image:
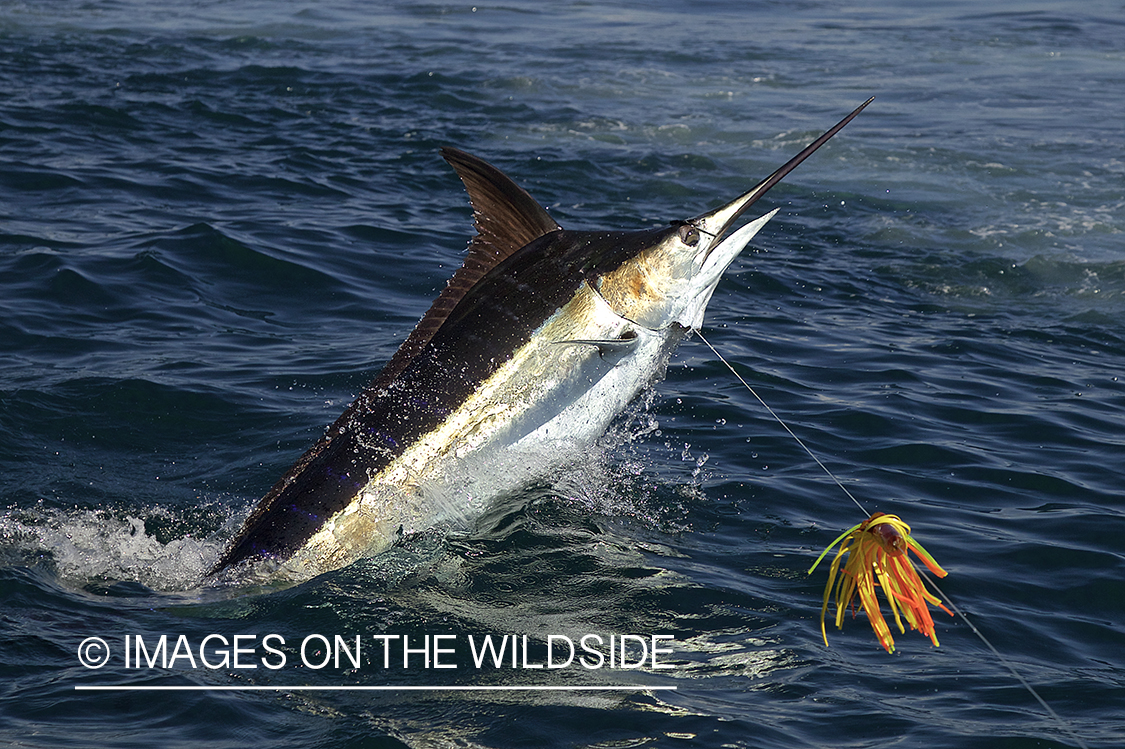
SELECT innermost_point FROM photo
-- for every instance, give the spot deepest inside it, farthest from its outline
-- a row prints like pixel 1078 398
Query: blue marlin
pixel 538 342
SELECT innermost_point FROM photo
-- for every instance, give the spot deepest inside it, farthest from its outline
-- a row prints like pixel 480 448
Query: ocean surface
pixel 219 220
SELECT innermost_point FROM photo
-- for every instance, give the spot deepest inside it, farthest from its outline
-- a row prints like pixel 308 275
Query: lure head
pixel 888 532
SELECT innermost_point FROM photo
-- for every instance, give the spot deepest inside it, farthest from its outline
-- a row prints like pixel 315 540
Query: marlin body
pixel 538 342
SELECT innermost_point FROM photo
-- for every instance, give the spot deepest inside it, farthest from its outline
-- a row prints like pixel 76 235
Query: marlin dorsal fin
pixel 506 217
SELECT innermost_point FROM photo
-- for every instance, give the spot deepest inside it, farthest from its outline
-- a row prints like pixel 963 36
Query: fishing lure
pixel 877 556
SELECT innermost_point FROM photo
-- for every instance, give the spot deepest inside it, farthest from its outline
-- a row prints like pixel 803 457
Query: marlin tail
pixel 538 342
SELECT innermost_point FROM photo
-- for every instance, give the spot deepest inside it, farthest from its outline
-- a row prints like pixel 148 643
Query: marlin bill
pixel 536 344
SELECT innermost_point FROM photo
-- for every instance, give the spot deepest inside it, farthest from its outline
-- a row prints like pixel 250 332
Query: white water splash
pixel 86 546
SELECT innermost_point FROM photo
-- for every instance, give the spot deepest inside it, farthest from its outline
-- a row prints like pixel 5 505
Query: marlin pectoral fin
pixel 612 349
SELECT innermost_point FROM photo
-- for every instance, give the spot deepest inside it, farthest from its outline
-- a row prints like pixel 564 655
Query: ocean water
pixel 218 221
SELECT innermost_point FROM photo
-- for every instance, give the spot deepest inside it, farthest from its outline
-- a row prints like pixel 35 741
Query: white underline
pixel 306 688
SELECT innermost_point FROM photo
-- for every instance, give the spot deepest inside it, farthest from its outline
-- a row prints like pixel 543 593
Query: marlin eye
pixel 689 235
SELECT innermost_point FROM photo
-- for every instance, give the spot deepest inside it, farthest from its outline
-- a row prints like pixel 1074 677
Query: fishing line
pixel 1007 664
pixel 783 424
pixel 1005 661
